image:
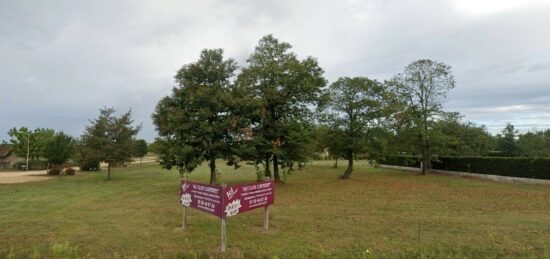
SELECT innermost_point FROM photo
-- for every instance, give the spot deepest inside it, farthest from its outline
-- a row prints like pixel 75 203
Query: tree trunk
pixel 109 171
pixel 266 165
pixel 348 171
pixel 335 163
pixel 212 170
pixel 276 169
pixel 140 160
pixel 425 162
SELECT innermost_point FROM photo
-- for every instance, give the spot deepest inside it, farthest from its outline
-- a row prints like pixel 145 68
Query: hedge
pixel 525 167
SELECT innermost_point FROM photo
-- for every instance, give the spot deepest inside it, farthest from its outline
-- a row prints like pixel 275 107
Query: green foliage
pixel 534 144
pixel 197 122
pixel 140 148
pixel 462 138
pixel 108 139
pixel 422 87
pixel 59 148
pixel 35 141
pixel 154 147
pixel 355 109
pixel 538 168
pixel 507 143
pixel 409 161
pixel 86 164
pixel 278 90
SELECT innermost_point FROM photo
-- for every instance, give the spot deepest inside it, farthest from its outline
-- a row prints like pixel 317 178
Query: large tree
pixel 197 121
pixel 356 108
pixel 282 89
pixel 59 149
pixel 109 139
pixel 423 87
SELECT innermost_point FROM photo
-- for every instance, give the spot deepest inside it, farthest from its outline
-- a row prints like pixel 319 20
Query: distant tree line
pixel 109 139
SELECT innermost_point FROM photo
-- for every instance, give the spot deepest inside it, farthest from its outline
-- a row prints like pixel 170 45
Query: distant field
pixel 377 213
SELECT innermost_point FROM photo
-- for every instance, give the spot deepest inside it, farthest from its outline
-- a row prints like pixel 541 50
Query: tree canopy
pixel 356 107
pixel 282 90
pixel 422 88
pixel 35 141
pixel 197 121
pixel 59 149
pixel 140 148
pixel 109 139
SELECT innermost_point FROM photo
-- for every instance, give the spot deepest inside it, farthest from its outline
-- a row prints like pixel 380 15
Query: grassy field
pixel 377 213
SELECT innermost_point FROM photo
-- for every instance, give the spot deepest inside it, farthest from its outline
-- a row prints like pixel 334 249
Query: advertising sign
pixel 245 197
pixel 203 197
pixel 228 201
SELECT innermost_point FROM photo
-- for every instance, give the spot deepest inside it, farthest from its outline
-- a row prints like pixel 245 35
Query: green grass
pixel 377 213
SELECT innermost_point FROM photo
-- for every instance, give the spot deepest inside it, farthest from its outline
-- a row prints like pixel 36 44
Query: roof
pixel 5 150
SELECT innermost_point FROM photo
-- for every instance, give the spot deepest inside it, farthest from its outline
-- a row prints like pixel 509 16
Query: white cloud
pixel 483 7
pixel 63 60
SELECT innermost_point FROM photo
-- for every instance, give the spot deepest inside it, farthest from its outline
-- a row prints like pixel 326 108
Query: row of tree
pixel 108 139
pixel 267 112
pixel 55 147
pixel 278 110
pixel 535 143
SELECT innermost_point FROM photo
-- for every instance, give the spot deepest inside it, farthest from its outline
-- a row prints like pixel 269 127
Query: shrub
pixel 54 171
pixel 526 167
pixel 70 171
pixel 89 165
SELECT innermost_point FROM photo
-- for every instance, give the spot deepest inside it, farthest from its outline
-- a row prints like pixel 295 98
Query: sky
pixel 61 61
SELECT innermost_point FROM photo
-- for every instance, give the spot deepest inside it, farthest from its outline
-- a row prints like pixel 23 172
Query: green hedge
pixel 410 161
pixel 525 167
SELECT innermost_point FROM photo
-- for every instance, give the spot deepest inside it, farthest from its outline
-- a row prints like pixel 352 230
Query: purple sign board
pixel 228 201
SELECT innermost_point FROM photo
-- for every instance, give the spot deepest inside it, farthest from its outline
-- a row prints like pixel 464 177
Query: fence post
pixel 266 217
pixel 184 220
pixel 223 246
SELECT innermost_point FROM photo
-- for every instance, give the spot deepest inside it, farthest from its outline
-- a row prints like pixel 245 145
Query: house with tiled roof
pixel 8 157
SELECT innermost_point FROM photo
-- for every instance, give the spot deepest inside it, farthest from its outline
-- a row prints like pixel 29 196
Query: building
pixel 8 157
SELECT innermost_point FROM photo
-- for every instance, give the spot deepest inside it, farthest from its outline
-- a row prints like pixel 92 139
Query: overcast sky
pixel 60 61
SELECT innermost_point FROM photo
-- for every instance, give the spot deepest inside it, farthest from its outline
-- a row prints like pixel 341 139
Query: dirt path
pixel 23 177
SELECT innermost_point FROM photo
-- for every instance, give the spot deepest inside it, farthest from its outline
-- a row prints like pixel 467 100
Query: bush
pixel 70 171
pixel 525 167
pixel 33 165
pixel 54 171
pixel 89 165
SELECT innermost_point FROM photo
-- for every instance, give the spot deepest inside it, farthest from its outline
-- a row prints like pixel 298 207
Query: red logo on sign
pixel 230 193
